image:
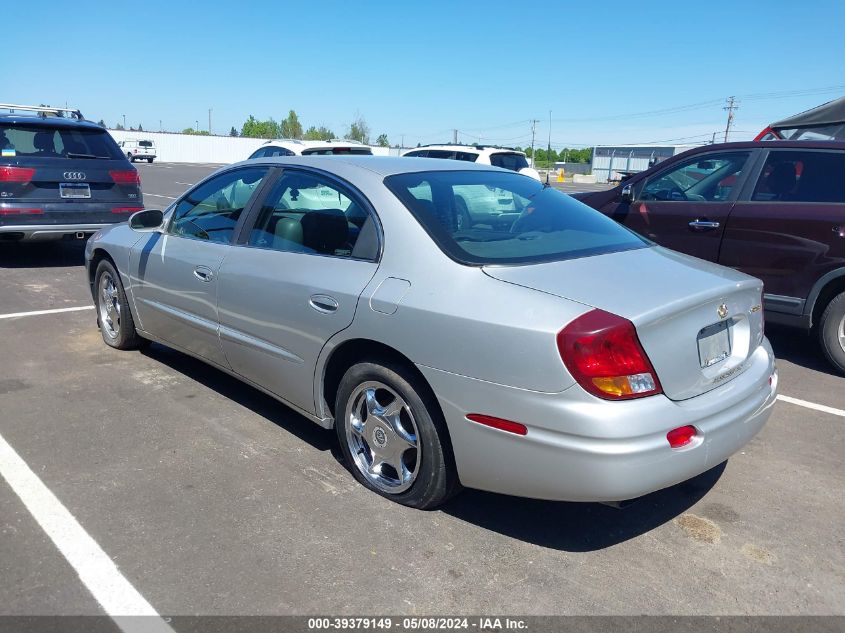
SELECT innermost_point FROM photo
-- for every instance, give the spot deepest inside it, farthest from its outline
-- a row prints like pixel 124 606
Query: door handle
pixel 203 274
pixel 323 303
pixel 703 225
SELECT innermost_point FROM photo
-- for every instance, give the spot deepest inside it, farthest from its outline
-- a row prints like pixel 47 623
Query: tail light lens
pixel 125 177
pixel 21 211
pixel 16 174
pixel 602 352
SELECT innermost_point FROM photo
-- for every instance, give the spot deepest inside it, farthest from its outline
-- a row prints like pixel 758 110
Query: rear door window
pixel 801 176
pixel 40 141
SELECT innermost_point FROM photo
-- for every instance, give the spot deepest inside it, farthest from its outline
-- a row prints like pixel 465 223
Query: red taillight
pixel 681 436
pixel 21 211
pixel 16 174
pixel 125 177
pixel 498 423
pixel 126 209
pixel 602 352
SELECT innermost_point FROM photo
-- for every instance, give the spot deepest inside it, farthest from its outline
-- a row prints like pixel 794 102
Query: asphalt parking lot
pixel 212 498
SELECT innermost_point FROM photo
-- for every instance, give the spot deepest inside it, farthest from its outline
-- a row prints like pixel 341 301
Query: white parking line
pixel 96 569
pixel 15 315
pixel 190 184
pixel 158 195
pixel 813 405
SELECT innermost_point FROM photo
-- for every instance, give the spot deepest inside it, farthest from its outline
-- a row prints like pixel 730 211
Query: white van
pixel 138 150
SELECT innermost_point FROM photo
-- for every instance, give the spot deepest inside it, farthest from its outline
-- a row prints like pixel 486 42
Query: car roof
pixel 774 144
pixel 381 165
pixel 285 142
pixel 48 122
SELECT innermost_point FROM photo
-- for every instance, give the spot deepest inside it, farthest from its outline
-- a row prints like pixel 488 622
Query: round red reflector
pixel 681 436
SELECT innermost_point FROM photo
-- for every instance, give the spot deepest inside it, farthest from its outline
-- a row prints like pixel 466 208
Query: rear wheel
pixel 113 315
pixel 150 161
pixel 393 436
pixel 832 332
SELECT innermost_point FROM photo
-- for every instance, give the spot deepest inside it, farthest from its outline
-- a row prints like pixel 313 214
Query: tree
pixel 101 123
pixel 359 130
pixel 233 131
pixel 190 130
pixel 119 127
pixel 382 141
pixel 140 128
pixel 291 127
pixel 253 128
pixel 321 133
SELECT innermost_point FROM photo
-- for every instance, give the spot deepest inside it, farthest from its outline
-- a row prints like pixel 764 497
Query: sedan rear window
pixel 486 217
pixel 39 141
pixel 509 160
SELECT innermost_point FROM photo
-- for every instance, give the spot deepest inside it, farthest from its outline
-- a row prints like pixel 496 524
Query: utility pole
pixel 209 120
pixel 732 105
pixel 534 123
pixel 197 128
pixel 713 139
pixel 402 146
pixel 124 121
pixel 549 155
pixel 160 128
pixel 455 137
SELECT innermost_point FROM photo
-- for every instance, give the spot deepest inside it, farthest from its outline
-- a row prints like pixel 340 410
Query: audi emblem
pixel 74 175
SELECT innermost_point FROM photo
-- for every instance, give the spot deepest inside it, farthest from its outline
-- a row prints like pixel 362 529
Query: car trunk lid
pixel 697 322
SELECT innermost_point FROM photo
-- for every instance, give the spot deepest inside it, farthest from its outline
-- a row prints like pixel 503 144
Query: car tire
pixel 150 161
pixel 114 317
pixel 385 414
pixel 832 332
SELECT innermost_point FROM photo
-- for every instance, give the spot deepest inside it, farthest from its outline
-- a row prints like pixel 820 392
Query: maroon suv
pixel 775 210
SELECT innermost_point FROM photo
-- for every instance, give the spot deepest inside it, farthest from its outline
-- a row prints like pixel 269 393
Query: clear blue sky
pixel 423 68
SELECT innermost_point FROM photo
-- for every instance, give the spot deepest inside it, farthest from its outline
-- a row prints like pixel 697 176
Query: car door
pixel 294 281
pixel 685 207
pixel 787 228
pixel 174 272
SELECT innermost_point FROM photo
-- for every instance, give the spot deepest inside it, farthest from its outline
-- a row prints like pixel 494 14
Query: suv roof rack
pixel 44 111
pixel 472 145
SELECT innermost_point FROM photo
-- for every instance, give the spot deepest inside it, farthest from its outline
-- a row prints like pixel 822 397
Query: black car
pixel 61 176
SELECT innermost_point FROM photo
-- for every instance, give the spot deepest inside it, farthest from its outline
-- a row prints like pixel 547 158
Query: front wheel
pixel 113 316
pixel 832 332
pixel 393 436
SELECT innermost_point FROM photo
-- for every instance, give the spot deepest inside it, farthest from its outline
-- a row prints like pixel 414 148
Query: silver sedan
pixel 458 325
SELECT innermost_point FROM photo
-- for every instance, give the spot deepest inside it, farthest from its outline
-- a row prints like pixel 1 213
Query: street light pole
pixel 124 121
pixel 209 120
pixel 549 154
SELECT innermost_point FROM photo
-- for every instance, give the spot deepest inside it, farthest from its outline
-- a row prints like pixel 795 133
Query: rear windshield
pixel 145 143
pixel 486 217
pixel 512 161
pixel 366 151
pixel 38 141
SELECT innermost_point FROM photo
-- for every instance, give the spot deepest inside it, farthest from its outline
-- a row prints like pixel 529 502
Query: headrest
pixel 782 178
pixel 325 231
pixel 43 141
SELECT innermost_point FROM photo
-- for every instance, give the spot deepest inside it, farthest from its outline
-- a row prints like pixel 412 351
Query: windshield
pixel 486 217
pixel 39 141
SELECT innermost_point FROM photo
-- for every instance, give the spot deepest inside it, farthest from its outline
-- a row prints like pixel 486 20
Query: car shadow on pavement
pixel 237 391
pixel 579 527
pixel 60 253
pixel 799 348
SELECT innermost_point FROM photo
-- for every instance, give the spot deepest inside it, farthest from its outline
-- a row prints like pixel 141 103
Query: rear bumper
pixel 46 232
pixel 581 448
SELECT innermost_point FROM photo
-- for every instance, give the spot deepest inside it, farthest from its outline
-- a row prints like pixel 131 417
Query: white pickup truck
pixel 138 150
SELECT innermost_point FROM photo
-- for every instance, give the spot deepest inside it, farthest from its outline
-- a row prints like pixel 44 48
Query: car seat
pixel 781 180
pixel 325 231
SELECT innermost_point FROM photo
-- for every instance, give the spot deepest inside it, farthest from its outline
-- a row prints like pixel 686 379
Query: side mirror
pixel 627 194
pixel 146 220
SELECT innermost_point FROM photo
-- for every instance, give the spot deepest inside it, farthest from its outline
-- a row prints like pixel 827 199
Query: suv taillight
pixel 602 352
pixel 125 177
pixel 16 174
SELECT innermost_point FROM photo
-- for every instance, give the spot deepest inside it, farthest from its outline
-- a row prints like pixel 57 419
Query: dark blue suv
pixel 61 176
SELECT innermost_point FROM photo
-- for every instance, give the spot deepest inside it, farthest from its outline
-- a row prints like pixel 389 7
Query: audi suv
pixel 61 177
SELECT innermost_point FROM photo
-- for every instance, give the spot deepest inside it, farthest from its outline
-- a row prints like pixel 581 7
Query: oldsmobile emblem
pixel 379 437
pixel 722 311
